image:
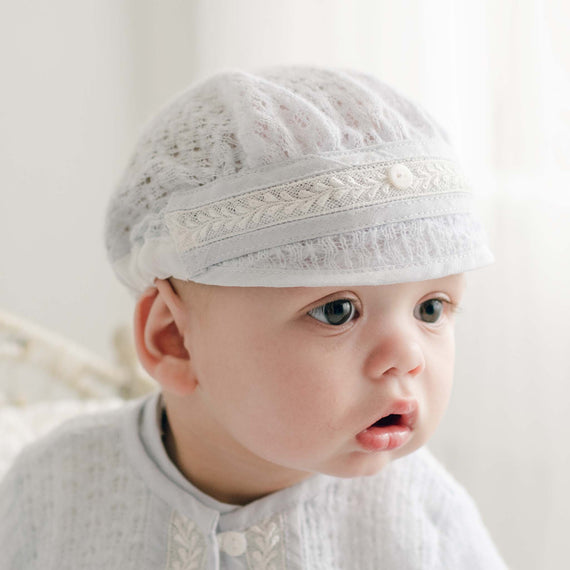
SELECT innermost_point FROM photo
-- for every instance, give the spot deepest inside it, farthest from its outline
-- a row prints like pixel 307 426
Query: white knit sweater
pixel 101 493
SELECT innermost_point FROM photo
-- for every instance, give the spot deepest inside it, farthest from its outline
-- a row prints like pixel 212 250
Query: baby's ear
pixel 159 339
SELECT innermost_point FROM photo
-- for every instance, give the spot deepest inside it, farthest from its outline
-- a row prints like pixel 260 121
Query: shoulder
pixel 463 539
pixel 426 466
pixel 417 515
pixel 432 491
pixel 64 483
pixel 429 481
pixel 414 487
pixel 419 476
pixel 86 449
pixel 81 452
pixel 78 436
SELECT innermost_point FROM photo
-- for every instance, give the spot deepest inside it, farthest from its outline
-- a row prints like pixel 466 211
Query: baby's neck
pixel 215 468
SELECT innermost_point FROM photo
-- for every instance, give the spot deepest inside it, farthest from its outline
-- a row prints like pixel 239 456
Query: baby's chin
pixel 367 464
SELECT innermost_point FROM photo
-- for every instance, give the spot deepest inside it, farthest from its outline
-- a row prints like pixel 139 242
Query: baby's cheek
pixel 291 418
pixel 438 392
pixel 291 399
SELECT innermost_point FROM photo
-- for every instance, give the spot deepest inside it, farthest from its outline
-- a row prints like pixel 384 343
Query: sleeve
pixel 16 528
pixel 27 508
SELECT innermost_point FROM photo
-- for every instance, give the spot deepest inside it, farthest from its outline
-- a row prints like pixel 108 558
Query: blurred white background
pixel 79 79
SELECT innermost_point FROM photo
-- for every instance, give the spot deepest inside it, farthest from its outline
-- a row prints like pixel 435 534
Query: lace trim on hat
pixel 339 191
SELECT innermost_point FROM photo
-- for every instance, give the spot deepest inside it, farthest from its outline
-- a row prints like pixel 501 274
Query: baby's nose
pixel 395 354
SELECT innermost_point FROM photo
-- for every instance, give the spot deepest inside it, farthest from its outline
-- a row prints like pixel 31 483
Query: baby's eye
pixel 334 313
pixel 430 311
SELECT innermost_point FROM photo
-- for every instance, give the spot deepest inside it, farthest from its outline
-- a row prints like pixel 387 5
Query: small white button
pixel 232 543
pixel 400 176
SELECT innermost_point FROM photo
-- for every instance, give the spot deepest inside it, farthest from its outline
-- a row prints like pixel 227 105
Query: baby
pixel 296 240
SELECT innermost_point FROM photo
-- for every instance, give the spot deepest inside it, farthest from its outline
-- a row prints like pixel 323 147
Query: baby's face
pixel 298 376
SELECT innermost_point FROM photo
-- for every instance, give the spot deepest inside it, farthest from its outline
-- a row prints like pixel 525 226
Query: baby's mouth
pixel 402 413
pixel 393 429
pixel 390 420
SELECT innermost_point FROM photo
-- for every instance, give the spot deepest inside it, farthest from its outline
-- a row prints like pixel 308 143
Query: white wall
pixel 66 122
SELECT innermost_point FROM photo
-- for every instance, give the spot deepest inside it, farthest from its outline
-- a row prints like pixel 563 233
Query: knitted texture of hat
pixel 287 177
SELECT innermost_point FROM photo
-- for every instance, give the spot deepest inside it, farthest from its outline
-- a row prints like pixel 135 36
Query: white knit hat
pixel 292 176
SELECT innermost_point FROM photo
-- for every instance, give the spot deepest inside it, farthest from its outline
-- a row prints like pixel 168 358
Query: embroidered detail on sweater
pixel 356 187
pixel 186 545
pixel 266 549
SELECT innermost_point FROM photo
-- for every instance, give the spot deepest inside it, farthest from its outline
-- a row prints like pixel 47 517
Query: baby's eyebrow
pixel 332 292
pixel 305 302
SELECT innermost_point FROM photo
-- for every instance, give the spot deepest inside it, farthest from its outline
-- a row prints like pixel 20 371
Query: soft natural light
pixel 80 79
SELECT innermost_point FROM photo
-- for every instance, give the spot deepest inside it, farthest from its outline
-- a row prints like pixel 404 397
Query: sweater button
pixel 400 176
pixel 232 543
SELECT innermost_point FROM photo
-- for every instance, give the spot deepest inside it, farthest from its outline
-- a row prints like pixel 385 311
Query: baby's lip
pixel 404 413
